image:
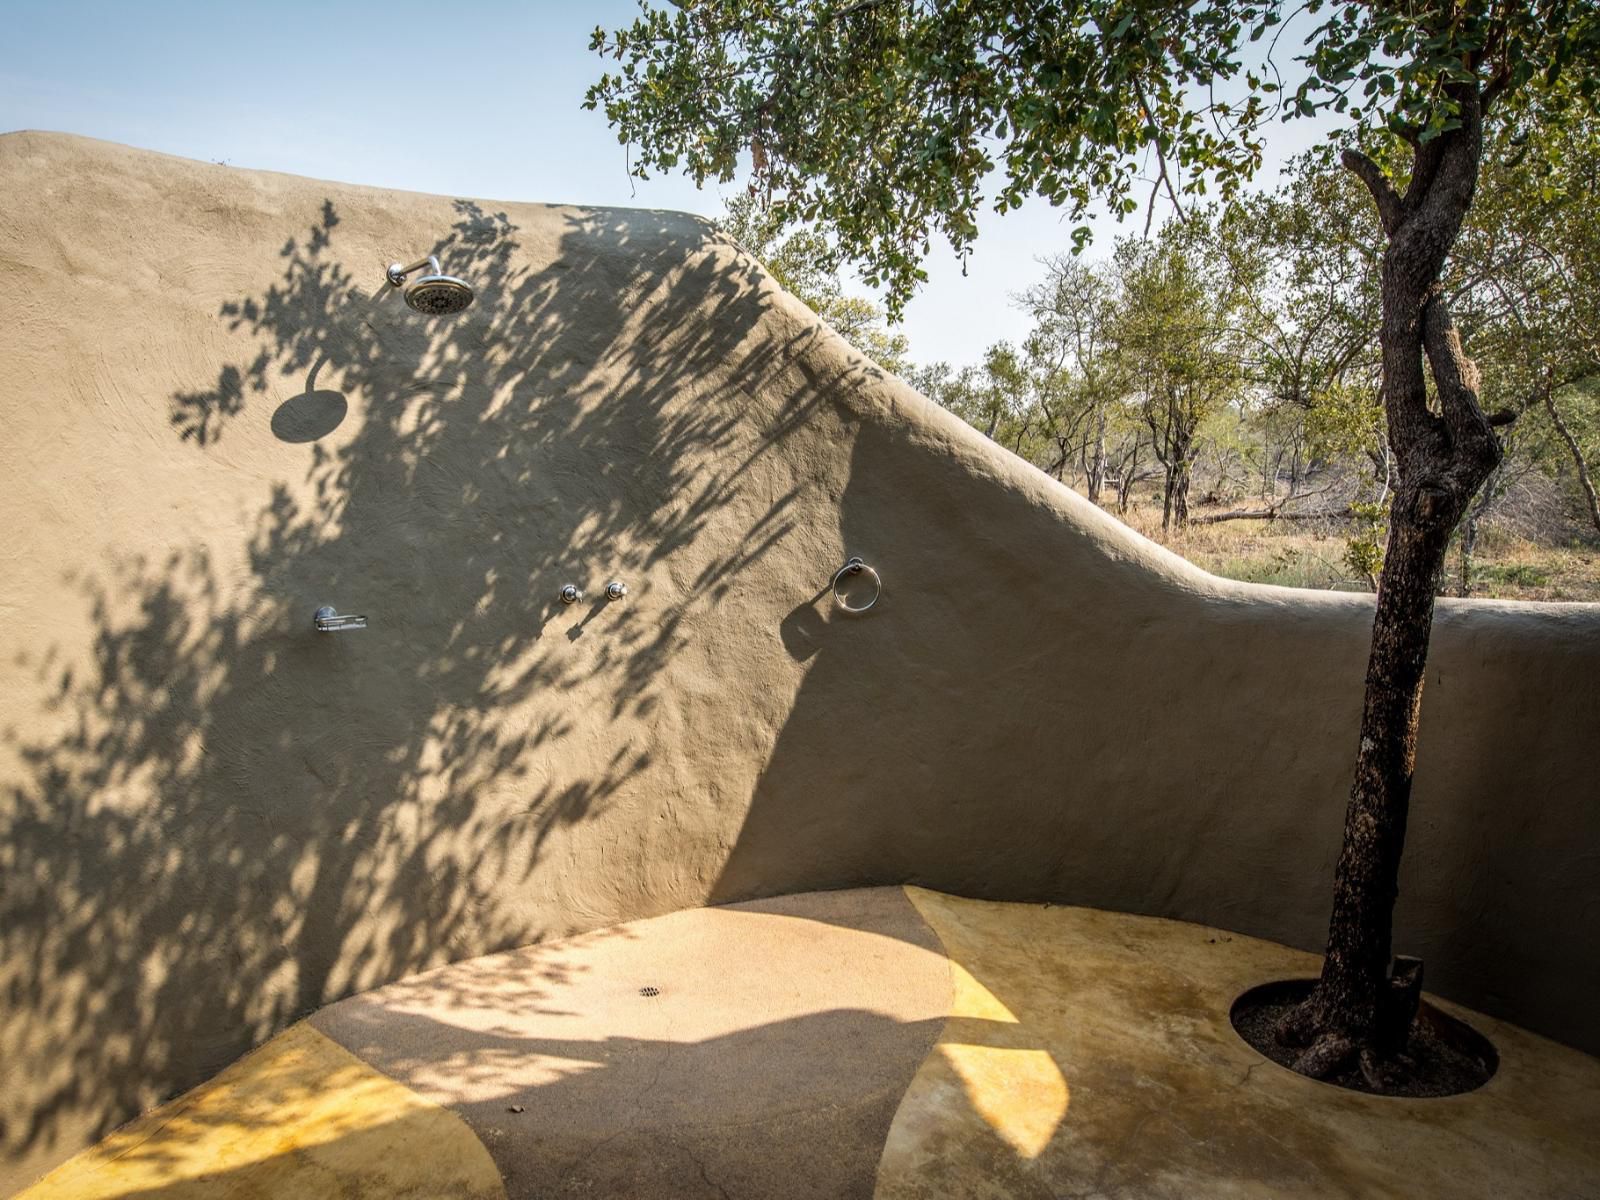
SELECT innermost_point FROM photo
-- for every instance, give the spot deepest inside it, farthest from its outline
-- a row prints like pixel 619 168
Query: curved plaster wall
pixel 212 820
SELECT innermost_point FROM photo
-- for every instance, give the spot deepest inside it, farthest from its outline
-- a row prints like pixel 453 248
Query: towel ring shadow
pixel 856 567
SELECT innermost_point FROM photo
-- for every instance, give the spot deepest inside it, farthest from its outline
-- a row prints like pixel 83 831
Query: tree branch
pixel 1496 86
pixel 1426 158
pixel 1161 158
pixel 1456 377
pixel 1384 195
pixel 1275 512
pixel 1577 455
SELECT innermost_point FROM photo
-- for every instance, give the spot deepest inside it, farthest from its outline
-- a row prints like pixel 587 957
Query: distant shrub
pixel 1516 574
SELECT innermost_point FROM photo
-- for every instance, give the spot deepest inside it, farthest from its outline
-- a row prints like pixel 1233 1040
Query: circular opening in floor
pixel 1444 1057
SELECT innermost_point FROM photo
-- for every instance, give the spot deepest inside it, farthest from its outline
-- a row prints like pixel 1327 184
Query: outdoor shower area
pixel 589 731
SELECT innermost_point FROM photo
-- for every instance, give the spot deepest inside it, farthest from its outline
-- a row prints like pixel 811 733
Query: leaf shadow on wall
pixel 241 820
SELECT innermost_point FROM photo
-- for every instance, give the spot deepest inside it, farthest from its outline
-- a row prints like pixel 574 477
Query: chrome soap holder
pixel 329 620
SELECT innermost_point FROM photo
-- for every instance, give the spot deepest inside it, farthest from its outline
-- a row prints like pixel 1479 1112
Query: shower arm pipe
pixel 397 274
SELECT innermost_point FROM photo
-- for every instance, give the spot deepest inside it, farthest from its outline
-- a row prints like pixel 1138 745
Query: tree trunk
pixel 1577 457
pixel 1175 497
pixel 1130 476
pixel 1178 492
pixel 1443 457
pixel 1366 880
pixel 1097 465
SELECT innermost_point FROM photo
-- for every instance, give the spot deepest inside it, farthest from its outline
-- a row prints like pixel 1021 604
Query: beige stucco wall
pixel 213 819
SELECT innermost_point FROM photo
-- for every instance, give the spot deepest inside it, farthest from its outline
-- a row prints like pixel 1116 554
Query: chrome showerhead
pixel 435 294
pixel 438 295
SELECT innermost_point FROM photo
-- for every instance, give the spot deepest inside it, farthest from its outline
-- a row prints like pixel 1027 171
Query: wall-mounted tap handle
pixel 571 594
pixel 616 590
pixel 328 620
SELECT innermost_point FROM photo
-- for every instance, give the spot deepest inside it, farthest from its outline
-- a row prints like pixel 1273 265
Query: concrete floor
pixel 889 1042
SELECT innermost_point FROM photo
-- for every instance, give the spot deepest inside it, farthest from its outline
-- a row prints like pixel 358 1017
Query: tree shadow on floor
pixel 768 1111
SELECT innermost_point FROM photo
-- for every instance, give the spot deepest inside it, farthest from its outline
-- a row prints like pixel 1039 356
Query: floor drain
pixel 649 991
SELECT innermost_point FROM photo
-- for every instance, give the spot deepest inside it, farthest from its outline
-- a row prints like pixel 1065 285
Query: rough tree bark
pixel 1443 452
pixel 1175 499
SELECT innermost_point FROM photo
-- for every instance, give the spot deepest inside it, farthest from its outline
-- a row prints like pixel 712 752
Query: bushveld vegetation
pixel 1215 383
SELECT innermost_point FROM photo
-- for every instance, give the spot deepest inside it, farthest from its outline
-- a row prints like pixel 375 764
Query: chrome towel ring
pixel 856 567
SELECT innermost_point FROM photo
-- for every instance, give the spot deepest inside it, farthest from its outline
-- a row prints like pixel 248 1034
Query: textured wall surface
pixel 216 417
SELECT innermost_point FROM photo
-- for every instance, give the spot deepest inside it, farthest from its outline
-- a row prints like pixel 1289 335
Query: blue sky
pixel 472 99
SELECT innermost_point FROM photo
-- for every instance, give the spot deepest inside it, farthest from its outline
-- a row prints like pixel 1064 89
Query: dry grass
pixel 1509 567
pixel 1311 555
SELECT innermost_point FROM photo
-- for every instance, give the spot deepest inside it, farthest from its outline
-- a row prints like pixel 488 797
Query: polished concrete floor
pixel 885 1042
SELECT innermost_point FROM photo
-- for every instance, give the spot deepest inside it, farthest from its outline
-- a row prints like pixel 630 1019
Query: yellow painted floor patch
pixel 1167 1102
pixel 297 1119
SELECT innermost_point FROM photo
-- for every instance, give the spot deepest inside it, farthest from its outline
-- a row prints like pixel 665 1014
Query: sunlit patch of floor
pixel 1016 1089
pixel 299 1117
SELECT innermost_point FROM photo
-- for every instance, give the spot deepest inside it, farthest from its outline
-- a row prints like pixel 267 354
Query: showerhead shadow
pixel 313 414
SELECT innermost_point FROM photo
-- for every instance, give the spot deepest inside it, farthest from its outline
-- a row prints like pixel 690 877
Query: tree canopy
pixel 889 123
